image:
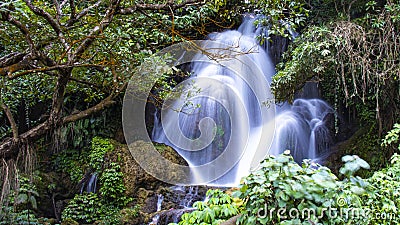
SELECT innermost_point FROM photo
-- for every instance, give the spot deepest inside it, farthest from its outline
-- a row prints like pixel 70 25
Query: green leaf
pixel 32 199
pixel 22 198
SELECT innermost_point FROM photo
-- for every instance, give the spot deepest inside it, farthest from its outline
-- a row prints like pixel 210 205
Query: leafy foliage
pixel 280 15
pixel 392 137
pixel 384 202
pixel 100 147
pixel 71 161
pixel 83 208
pixel 23 204
pixel 218 207
pixel 104 206
pixel 308 190
pixel 351 60
pixel 112 187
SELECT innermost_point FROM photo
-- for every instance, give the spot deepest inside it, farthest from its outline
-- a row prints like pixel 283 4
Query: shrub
pixel 283 192
pixel 218 207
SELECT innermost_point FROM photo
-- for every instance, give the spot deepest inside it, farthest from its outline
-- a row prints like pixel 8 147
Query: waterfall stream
pixel 90 185
pixel 160 199
pixel 233 101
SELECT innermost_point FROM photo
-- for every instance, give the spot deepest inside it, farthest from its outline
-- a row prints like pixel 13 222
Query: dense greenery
pixel 218 207
pixel 355 59
pixel 104 205
pixel 283 192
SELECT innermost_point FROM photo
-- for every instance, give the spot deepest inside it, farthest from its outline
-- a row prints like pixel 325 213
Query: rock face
pixel 135 177
pixel 231 221
pixel 146 189
pixel 172 215
pixel 177 200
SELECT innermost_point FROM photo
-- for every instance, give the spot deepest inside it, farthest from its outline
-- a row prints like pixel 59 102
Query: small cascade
pixel 178 200
pixel 301 128
pixel 160 199
pixel 89 184
pixel 190 197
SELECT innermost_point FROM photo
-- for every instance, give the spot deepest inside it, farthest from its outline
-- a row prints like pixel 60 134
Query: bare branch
pixel 74 17
pixel 21 65
pixel 104 23
pixel 53 23
pixel 75 80
pixel 167 6
pixel 45 69
pixel 97 108
pixel 73 11
pixel 10 118
pixel 21 27
pixel 58 10
pixel 11 58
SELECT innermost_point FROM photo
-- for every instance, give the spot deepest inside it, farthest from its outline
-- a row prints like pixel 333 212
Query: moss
pixel 130 216
pixel 366 144
pixel 69 221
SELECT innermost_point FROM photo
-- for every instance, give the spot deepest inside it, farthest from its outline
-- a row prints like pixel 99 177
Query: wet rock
pixel 172 216
pixel 147 199
pixel 231 221
pixel 135 177
pixel 131 217
pixel 178 197
pixel 69 221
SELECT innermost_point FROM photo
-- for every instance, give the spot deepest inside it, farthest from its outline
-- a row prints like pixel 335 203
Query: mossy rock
pixel 131 217
pixel 135 177
pixel 69 221
pixel 365 144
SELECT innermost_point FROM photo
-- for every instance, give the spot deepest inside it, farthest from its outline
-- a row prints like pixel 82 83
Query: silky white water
pixel 224 118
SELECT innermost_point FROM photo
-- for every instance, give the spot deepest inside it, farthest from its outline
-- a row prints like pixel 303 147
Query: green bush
pixel 100 147
pixel 22 204
pixel 89 208
pixel 83 208
pixel 112 188
pixel 283 192
pixel 384 202
pixel 220 206
pixel 72 162
pixel 103 207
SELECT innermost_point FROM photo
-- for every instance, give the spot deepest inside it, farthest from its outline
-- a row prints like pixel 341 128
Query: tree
pixel 51 50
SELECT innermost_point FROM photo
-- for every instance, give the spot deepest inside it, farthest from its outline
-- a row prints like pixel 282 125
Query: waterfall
pixel 90 184
pixel 160 199
pixel 234 103
pixel 301 129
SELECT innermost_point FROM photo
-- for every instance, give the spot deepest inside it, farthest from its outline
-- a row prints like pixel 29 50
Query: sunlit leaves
pixel 281 16
pixel 218 207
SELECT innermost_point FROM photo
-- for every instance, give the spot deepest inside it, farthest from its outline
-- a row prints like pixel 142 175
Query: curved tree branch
pixel 10 118
pixel 167 6
pixel 53 22
pixel 105 22
pixel 7 17
pixel 75 17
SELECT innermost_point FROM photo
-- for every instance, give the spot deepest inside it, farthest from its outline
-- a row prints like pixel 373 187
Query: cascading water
pixel 90 185
pixel 160 199
pixel 215 94
pixel 301 129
